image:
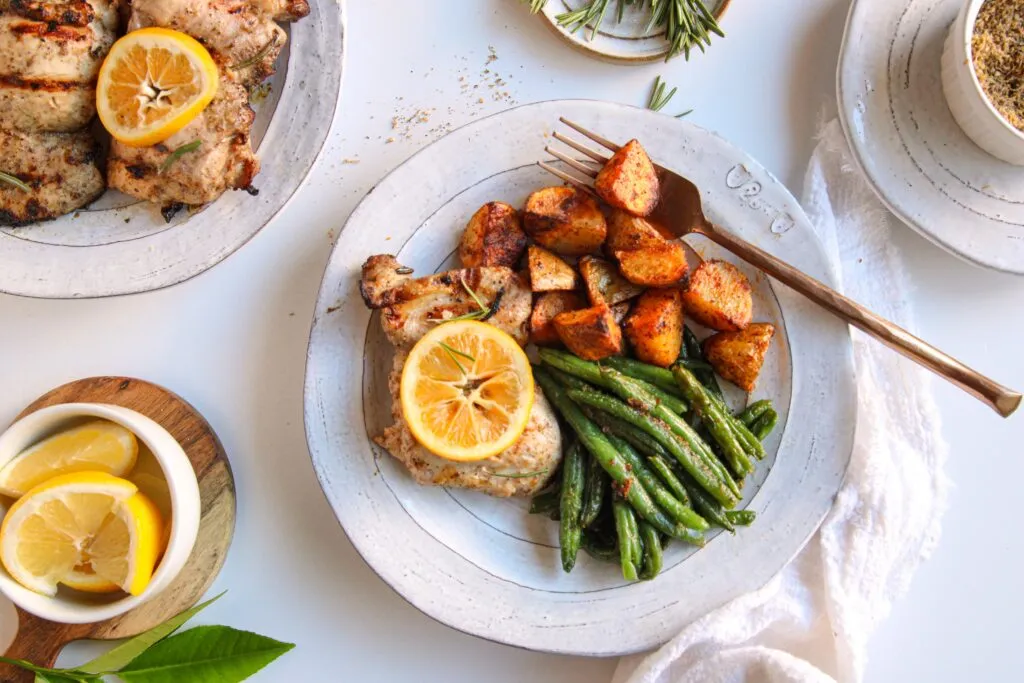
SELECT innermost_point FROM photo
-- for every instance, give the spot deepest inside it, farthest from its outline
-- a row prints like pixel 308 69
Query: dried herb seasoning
pixel 998 54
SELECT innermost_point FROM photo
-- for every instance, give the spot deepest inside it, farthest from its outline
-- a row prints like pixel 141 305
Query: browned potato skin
pixel 738 356
pixel 565 220
pixel 627 232
pixel 493 237
pixel 658 266
pixel 628 181
pixel 549 273
pixel 592 334
pixel 621 311
pixel 655 327
pixel 719 297
pixel 604 284
pixel 545 308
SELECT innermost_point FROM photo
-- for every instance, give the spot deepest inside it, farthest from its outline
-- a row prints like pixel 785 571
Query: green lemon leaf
pixel 204 654
pixel 61 677
pixel 123 654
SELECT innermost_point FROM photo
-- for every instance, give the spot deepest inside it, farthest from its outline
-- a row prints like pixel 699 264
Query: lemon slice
pixel 152 84
pixel 99 446
pixel 87 530
pixel 466 391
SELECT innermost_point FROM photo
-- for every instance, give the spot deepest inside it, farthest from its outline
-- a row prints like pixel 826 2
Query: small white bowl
pixel 971 108
pixel 185 509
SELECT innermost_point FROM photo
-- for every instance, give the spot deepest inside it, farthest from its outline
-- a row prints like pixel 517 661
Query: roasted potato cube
pixel 549 273
pixel 493 237
pixel 592 334
pixel 565 220
pixel 655 327
pixel 629 181
pixel 738 356
pixel 719 297
pixel 545 308
pixel 629 233
pixel 604 284
pixel 659 266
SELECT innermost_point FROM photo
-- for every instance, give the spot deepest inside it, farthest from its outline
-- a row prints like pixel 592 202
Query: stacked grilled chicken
pixel 245 40
pixel 50 53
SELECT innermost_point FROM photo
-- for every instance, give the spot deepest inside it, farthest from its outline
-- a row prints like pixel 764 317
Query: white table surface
pixel 232 341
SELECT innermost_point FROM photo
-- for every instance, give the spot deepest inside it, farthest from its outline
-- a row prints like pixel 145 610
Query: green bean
pixel 544 503
pixel 754 411
pixel 565 379
pixel 629 538
pixel 741 517
pixel 660 377
pixel 652 551
pixel 629 390
pixel 638 438
pixel 714 420
pixel 661 495
pixel 599 551
pixel 661 432
pixel 695 351
pixel 600 448
pixel 670 479
pixel 592 372
pixel 593 492
pixel 765 424
pixel 571 505
pixel 707 506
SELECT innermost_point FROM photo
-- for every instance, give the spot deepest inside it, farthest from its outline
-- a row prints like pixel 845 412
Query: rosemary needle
pixel 454 353
pixel 180 152
pixel 659 99
pixel 15 181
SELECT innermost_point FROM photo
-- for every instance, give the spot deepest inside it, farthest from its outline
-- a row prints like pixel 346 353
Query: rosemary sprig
pixel 15 181
pixel 454 353
pixel 180 152
pixel 659 99
pixel 258 57
pixel 688 24
pixel 518 475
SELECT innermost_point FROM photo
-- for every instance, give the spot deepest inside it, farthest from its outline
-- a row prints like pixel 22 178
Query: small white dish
pixel 74 608
pixel 622 42
pixel 906 141
pixel 971 107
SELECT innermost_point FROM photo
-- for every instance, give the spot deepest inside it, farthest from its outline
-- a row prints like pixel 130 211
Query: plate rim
pixel 324 307
pixel 127 288
pixel 888 198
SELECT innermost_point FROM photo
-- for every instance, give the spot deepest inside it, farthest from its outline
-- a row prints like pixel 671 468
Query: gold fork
pixel 680 212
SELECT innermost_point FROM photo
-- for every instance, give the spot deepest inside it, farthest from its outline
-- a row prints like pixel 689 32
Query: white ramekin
pixel 185 509
pixel 971 108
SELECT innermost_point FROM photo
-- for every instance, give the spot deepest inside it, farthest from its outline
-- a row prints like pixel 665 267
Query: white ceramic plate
pixel 907 143
pixel 627 41
pixel 119 245
pixel 483 565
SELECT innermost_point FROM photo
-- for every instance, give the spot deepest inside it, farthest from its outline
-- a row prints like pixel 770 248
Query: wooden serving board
pixel 41 641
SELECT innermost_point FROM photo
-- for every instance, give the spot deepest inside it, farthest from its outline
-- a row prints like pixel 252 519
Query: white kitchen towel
pixel 811 623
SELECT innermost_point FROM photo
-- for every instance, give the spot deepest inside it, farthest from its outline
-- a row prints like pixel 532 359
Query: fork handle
pixel 1001 399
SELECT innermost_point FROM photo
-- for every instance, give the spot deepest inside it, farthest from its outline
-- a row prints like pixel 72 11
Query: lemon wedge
pixel 467 391
pixel 87 530
pixel 152 84
pixel 98 445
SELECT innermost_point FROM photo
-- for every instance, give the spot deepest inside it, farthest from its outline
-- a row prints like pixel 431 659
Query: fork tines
pixel 588 168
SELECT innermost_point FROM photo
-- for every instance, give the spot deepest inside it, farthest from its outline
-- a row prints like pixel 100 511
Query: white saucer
pixel 906 142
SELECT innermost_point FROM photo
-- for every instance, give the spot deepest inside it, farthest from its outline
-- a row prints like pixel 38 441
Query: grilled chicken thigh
pixel 50 54
pixel 244 40
pixel 61 169
pixel 411 307
pixel 223 161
